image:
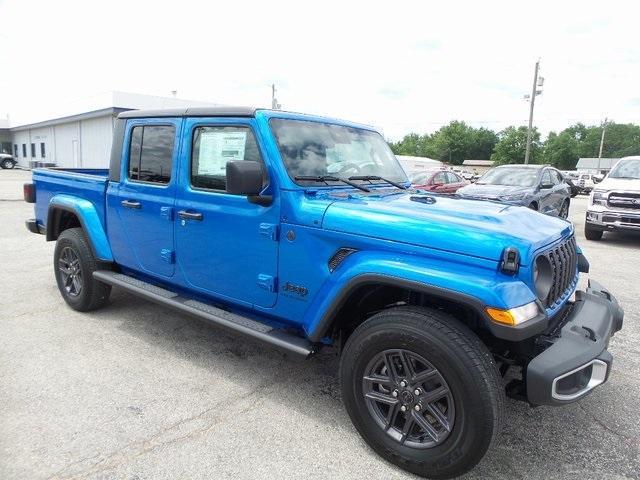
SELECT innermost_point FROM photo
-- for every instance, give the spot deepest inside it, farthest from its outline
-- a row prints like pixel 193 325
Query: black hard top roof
pixel 191 112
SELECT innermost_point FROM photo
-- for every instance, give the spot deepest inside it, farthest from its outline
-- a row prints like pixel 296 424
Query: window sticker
pixel 218 148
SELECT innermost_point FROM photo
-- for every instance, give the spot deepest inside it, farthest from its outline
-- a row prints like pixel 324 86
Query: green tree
pixel 620 140
pixel 452 142
pixel 562 150
pixel 411 144
pixel 512 143
pixel 484 141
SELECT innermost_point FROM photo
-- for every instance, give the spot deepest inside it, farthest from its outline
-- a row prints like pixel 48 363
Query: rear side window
pixel 439 178
pixel 452 177
pixel 213 147
pixel 151 153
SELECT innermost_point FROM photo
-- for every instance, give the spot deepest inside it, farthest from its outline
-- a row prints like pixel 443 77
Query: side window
pixel 439 178
pixel 151 153
pixel 33 150
pixel 452 177
pixel 557 177
pixel 24 150
pixel 546 178
pixel 213 147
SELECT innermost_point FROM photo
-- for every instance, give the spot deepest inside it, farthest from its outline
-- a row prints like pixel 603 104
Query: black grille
pixel 339 256
pixel 564 261
pixel 624 200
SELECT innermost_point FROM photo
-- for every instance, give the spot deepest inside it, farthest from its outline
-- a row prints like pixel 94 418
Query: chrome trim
pixel 598 376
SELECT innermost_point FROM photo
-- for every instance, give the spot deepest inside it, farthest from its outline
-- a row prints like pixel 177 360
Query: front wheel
pixel 422 390
pixel 7 164
pixel 592 233
pixel 74 264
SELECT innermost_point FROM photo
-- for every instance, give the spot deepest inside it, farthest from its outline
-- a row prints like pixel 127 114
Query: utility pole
pixel 527 152
pixel 274 101
pixel 604 127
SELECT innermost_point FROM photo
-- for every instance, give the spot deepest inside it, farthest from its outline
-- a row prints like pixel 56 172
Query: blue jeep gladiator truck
pixel 303 232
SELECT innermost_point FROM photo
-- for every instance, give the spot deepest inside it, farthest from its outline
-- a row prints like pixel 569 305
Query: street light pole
pixel 527 152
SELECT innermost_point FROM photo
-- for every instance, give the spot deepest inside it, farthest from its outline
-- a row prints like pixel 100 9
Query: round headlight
pixel 542 277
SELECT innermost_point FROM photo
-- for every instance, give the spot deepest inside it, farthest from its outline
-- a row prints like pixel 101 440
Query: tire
pixel 533 206
pixel 472 407
pixel 73 257
pixel 7 164
pixel 564 210
pixel 592 233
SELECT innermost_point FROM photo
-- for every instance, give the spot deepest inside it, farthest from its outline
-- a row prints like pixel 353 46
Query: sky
pixel 400 66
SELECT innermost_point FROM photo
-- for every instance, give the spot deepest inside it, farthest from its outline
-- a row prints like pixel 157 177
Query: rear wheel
pixel 533 206
pixel 422 390
pixel 7 164
pixel 591 233
pixel 74 264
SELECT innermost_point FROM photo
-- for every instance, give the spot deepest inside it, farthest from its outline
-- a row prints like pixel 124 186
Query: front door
pixel 226 246
pixel 145 197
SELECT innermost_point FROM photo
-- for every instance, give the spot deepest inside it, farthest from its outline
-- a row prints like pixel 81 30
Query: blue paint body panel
pixel 258 259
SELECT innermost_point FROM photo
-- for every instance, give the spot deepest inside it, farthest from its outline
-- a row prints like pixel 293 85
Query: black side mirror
pixel 246 178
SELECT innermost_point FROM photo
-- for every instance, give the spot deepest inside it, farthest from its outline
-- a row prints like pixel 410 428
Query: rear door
pixel 145 196
pixel 227 246
pixel 548 195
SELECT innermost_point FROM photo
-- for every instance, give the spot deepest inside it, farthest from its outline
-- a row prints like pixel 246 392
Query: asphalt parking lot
pixel 138 392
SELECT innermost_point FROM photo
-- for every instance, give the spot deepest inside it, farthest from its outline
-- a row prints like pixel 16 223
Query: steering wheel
pixel 349 166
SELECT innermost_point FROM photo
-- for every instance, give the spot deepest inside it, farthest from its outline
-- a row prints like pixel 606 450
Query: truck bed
pixel 86 183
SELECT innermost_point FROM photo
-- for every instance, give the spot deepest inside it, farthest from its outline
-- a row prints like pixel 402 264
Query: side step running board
pixel 209 313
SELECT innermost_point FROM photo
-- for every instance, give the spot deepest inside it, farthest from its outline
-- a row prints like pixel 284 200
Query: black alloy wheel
pixel 408 398
pixel 71 271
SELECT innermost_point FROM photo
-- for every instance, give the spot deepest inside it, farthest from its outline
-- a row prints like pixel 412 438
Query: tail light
pixel 29 192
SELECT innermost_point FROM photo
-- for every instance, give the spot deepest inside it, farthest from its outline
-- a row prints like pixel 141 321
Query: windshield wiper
pixel 330 178
pixel 377 177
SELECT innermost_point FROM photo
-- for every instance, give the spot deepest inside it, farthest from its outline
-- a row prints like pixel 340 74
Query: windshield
pixel 320 149
pixel 517 177
pixel 626 169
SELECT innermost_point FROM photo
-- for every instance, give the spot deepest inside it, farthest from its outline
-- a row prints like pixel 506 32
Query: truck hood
pixel 628 184
pixel 492 191
pixel 469 227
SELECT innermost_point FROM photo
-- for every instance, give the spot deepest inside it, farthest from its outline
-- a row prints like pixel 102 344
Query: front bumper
pixel 613 220
pixel 577 360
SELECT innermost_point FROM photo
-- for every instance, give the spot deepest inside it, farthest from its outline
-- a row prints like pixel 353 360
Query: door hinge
pixel 267 282
pixel 269 230
pixel 168 255
pixel 167 212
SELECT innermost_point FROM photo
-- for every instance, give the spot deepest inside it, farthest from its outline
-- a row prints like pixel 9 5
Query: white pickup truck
pixel 614 203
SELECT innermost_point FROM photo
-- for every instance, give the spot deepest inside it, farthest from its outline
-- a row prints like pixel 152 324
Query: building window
pixel 24 150
pixel 33 150
pixel 15 150
pixel 42 150
pixel 151 153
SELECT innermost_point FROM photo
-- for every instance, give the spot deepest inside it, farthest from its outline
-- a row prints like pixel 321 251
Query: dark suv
pixel 539 187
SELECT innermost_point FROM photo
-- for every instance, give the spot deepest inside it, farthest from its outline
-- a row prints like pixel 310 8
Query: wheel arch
pixel 368 293
pixel 66 212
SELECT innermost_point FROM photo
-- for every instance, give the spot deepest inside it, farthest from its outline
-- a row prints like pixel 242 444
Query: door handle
pixel 130 204
pixel 190 215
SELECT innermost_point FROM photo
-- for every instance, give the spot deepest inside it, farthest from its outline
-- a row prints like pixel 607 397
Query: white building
pixel 412 164
pixel 82 140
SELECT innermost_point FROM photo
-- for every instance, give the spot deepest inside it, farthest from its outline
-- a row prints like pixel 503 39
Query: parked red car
pixel 438 180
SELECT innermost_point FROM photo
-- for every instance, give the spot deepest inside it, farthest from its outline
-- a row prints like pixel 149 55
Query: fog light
pixel 514 316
